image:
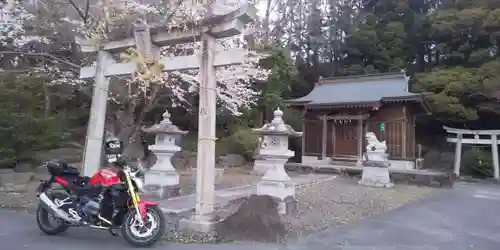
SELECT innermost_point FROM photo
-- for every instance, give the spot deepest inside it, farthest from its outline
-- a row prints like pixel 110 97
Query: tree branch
pixel 47 55
pixel 147 107
pixel 87 7
pixel 82 15
pixel 171 14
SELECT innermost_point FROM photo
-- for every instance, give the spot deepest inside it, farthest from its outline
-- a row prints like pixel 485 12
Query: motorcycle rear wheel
pixel 43 216
pixel 143 235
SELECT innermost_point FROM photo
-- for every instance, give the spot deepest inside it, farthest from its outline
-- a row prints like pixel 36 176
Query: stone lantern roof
pixel 277 127
pixel 164 127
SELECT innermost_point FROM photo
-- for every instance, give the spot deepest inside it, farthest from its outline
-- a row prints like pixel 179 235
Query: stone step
pixel 346 158
pixel 344 162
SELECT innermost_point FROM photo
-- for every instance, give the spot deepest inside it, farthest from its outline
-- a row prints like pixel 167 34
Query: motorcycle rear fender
pixel 144 204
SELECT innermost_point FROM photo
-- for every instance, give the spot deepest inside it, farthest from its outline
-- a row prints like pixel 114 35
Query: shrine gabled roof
pixel 366 90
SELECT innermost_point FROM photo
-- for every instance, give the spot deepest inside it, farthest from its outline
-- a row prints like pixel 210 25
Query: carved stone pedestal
pixel 260 166
pixel 277 184
pixel 162 184
pixel 282 192
pixel 376 177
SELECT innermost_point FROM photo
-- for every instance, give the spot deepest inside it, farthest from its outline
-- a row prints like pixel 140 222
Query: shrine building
pixel 339 111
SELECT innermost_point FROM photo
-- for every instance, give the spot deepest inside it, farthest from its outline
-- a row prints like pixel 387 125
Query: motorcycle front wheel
pixel 145 232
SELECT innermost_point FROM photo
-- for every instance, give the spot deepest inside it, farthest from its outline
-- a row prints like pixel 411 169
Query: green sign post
pixel 382 127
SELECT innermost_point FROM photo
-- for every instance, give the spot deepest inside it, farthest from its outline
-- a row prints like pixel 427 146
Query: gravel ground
pixel 19 197
pixel 221 213
pixel 341 201
pixel 322 205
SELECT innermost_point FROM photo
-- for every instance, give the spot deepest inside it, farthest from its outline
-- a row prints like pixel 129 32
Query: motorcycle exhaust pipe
pixel 52 208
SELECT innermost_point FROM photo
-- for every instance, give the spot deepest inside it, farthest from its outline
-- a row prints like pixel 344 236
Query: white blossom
pixel 12 29
pixel 234 83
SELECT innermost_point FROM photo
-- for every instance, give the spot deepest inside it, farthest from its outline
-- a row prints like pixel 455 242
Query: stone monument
pixel 376 163
pixel 162 180
pixel 275 153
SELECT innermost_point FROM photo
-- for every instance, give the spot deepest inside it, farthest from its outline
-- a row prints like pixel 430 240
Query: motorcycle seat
pixel 60 168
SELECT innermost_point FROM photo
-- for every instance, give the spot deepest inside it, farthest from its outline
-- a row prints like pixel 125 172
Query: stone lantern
pixel 162 180
pixel 274 153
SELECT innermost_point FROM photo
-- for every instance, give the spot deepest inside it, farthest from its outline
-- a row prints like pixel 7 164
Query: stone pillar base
pixel 289 205
pixel 283 192
pixel 162 192
pixel 376 177
pixel 260 167
pixel 197 223
pixel 161 177
pixel 161 184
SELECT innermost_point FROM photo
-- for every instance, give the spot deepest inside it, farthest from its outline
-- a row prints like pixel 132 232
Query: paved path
pixel 467 217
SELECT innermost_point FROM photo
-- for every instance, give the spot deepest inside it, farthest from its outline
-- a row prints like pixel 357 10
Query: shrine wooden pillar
pixel 303 138
pixel 361 131
pixel 360 138
pixel 404 133
pixel 324 138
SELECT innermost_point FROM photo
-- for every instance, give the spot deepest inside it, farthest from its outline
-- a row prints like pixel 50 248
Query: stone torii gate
pixel 475 137
pixel 148 41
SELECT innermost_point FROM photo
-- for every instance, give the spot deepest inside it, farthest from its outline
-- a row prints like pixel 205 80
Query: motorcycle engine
pixel 91 206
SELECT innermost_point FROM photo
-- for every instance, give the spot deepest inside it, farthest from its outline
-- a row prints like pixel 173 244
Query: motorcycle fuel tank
pixel 105 177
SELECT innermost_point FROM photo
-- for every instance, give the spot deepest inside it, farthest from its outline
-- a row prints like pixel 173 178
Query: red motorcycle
pixel 109 200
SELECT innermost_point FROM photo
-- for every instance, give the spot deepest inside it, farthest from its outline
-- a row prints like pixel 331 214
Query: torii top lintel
pixel 219 26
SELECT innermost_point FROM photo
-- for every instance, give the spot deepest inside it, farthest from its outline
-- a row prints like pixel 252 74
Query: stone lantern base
pixel 282 192
pixel 260 167
pixel 162 184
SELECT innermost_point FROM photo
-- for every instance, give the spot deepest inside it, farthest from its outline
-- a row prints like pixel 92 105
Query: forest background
pixel 448 47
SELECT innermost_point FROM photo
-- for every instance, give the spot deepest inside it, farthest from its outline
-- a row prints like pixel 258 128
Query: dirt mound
pixel 257 220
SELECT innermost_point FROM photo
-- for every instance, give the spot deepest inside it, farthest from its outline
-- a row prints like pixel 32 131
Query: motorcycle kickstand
pixel 111 232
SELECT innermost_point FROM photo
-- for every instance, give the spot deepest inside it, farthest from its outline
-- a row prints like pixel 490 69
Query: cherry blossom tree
pixel 102 20
pixel 42 24
pixel 234 83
